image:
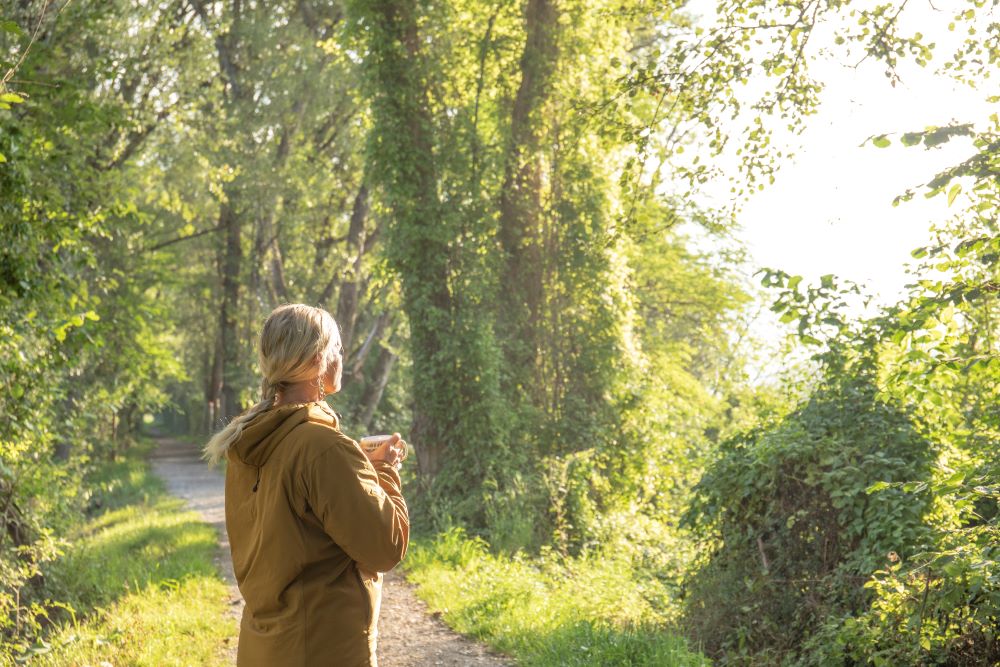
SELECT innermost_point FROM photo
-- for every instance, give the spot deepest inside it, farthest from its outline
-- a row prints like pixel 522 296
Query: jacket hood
pixel 262 434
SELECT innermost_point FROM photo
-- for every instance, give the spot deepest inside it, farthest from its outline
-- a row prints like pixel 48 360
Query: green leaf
pixel 881 141
pixel 11 27
pixel 12 98
pixel 954 192
pixel 956 478
pixel 877 486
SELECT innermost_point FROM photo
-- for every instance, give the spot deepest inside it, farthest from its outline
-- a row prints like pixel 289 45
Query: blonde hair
pixel 292 338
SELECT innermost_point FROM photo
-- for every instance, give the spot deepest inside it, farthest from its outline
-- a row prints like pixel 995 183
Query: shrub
pixel 792 534
pixel 942 606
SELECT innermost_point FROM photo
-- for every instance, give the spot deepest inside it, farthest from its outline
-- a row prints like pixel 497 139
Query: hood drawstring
pixel 257 483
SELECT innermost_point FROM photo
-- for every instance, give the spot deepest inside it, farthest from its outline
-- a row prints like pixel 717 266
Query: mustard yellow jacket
pixel 312 524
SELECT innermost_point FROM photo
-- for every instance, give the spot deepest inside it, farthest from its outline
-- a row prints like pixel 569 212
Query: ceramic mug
pixel 370 443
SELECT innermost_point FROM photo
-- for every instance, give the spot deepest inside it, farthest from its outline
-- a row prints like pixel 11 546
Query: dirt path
pixel 409 635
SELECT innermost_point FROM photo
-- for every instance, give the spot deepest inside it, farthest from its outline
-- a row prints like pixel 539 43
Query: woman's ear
pixel 334 374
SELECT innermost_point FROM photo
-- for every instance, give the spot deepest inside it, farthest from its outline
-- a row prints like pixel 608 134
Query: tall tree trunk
pixel 521 201
pixel 237 98
pixel 63 446
pixel 229 313
pixel 213 387
pixel 350 288
pixel 354 363
pixel 372 394
pixel 404 166
pixel 268 245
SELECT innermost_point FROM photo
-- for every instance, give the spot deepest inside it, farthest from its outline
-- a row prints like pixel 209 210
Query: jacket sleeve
pixel 361 507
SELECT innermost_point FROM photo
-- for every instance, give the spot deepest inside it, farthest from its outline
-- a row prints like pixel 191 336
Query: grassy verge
pixel 138 581
pixel 547 611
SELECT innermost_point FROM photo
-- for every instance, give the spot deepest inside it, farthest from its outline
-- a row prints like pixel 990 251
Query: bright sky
pixel 830 211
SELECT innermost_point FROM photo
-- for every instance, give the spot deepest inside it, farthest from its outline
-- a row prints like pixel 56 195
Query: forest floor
pixel 409 635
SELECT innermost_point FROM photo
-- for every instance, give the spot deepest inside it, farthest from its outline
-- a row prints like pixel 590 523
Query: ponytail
pixel 217 447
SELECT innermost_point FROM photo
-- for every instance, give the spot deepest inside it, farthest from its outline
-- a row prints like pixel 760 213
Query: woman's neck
pixel 298 392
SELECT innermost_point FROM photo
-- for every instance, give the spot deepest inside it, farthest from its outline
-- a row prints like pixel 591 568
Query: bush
pixel 792 533
pixel 942 607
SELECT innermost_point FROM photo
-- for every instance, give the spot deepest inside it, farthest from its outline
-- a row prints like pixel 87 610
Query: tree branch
pixel 164 244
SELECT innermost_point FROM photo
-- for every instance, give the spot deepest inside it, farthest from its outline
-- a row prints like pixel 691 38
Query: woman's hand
pixel 392 451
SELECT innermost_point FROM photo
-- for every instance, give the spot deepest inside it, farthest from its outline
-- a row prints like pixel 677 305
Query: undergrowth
pixel 548 610
pixel 135 583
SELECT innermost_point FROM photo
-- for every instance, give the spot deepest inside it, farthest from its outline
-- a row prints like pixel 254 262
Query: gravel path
pixel 409 635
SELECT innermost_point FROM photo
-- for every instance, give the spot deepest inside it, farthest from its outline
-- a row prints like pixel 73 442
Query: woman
pixel 312 519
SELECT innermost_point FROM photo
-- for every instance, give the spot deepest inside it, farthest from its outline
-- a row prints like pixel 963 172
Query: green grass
pixel 547 610
pixel 140 580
